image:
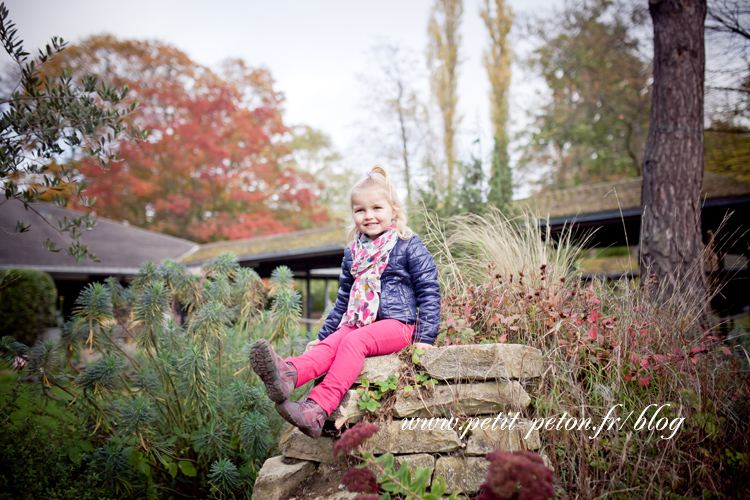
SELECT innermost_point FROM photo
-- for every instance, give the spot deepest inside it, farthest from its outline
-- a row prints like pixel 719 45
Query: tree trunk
pixel 671 245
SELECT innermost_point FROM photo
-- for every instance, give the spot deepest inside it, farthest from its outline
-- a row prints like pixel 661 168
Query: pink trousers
pixel 342 354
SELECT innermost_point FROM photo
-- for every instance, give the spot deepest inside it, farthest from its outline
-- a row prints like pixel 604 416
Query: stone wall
pixel 485 382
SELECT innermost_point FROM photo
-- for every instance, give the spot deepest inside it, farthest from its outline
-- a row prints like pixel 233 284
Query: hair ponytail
pixel 377 178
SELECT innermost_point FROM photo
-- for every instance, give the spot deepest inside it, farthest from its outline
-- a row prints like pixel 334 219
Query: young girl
pixel 389 297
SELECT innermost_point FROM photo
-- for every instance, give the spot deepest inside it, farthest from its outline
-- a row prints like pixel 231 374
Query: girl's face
pixel 372 213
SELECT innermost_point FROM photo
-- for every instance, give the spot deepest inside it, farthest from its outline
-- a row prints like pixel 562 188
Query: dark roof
pixel 619 196
pixel 121 249
pixel 610 213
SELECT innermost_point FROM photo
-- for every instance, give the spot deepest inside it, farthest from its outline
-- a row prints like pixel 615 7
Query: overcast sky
pixel 314 48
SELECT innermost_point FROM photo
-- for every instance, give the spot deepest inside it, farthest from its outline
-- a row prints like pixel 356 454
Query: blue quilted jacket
pixel 409 290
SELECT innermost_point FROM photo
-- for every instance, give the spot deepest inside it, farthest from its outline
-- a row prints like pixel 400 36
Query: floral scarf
pixel 370 258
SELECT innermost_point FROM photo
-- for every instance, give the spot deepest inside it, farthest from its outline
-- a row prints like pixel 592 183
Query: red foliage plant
pixel 360 481
pixel 518 475
pixel 354 437
pixel 577 321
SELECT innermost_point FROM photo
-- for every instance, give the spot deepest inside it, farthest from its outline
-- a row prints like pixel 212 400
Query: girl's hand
pixel 311 344
pixel 422 345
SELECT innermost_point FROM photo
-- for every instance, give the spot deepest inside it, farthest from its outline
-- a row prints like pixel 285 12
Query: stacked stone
pixel 478 381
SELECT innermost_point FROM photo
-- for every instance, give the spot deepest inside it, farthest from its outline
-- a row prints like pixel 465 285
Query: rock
pixel 341 495
pixel 392 439
pixel 464 473
pixel 277 479
pixel 464 399
pixel 294 444
pixel 348 410
pixel 482 362
pixel 377 368
pixel 414 461
pixel 482 442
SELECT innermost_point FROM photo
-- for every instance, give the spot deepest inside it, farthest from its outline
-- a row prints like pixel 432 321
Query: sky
pixel 314 49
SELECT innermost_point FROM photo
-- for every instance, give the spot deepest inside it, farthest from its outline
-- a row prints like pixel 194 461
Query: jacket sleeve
pixel 423 271
pixel 342 299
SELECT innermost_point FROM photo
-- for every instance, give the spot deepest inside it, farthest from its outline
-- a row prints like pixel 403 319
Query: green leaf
pixel 173 469
pixel 85 445
pixel 75 454
pixel 438 487
pixel 187 468
pixel 143 467
pixel 421 478
pixel 391 487
pixel 408 388
pixel 385 461
pixel 372 405
pixel 404 473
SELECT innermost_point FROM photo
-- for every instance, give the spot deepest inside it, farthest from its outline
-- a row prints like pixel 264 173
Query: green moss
pixel 297 240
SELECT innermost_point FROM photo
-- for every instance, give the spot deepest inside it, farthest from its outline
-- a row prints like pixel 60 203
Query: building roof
pixel 307 240
pixel 121 249
pixel 619 196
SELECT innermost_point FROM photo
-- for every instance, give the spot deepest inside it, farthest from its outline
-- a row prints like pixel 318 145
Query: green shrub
pixel 27 303
pixel 179 414
pixel 43 451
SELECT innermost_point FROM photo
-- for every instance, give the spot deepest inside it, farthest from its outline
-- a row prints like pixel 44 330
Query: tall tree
pixel 594 126
pixel 498 20
pixel 399 130
pixel 671 244
pixel 214 166
pixel 442 56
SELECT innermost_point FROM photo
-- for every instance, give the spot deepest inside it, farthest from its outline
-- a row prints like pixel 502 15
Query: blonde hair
pixel 377 178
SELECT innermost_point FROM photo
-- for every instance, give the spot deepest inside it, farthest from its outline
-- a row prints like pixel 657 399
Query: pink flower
pixel 354 437
pixel 518 475
pixel 360 481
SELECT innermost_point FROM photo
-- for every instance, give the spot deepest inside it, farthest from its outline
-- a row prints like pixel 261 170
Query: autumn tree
pixel 594 126
pixel 46 120
pixel 443 61
pixel 214 165
pixel 498 18
pixel 671 244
